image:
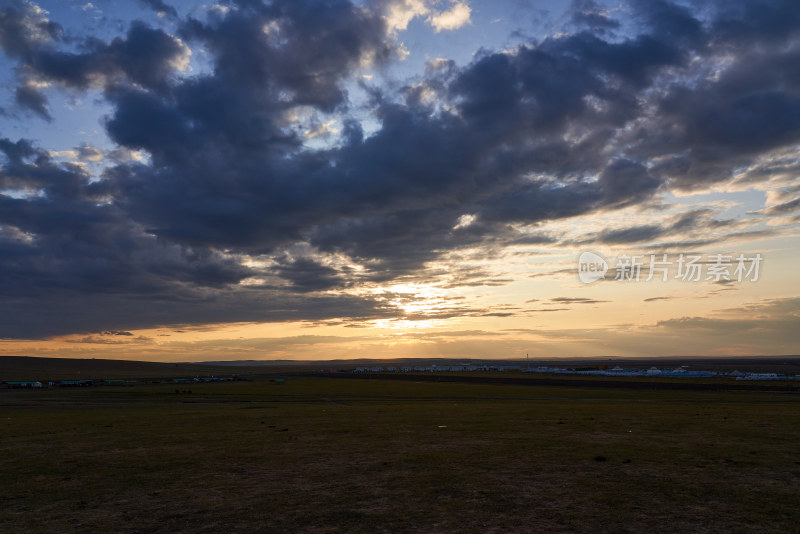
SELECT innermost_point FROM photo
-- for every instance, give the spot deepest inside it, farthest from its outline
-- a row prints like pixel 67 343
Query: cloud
pixel 451 19
pixel 209 186
pixel 693 228
pixel 66 313
pixel 105 340
pixel 24 28
pixel 145 56
pixel 576 300
pixel 762 327
pixel 766 326
pixel 161 8
pixel 29 97
pixel 399 13
pixel 653 299
pixel 784 207
pixel 306 274
pixel 589 14
pixel 87 152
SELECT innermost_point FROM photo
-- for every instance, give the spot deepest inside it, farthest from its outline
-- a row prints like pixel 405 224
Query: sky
pixel 299 179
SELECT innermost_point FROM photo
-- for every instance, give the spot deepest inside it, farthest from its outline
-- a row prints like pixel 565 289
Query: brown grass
pixel 326 455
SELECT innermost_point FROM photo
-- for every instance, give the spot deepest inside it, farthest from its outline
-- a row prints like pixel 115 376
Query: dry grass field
pixel 26 368
pixel 331 455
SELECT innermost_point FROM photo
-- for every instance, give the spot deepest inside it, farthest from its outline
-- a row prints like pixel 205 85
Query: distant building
pixel 24 384
pixel 75 383
pixel 762 376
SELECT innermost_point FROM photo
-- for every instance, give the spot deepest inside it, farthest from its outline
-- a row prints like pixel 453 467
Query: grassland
pixel 331 455
pixel 26 368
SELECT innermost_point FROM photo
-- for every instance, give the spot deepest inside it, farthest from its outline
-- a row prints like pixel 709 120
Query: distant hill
pixel 30 368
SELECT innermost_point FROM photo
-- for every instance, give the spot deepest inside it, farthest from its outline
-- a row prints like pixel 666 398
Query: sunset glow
pixel 398 178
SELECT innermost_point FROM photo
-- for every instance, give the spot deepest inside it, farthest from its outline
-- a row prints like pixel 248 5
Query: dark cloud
pixel 576 300
pixel 105 339
pixel 741 22
pixel 708 129
pixel 635 234
pixel 766 323
pixel 305 274
pixel 534 239
pixel 30 98
pixel 784 207
pixel 301 48
pixel 694 222
pixel 70 312
pixel 589 14
pixel 749 122
pixel 671 22
pixel 591 120
pixel 160 7
pixel 23 29
pixel 145 56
